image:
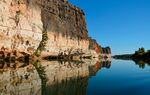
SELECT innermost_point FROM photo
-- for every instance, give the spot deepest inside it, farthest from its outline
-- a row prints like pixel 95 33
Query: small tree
pixel 141 51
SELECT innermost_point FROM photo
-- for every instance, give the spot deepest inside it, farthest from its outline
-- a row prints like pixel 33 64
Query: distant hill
pixel 123 56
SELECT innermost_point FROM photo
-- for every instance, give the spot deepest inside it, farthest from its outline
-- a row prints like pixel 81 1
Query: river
pixel 86 77
pixel 122 78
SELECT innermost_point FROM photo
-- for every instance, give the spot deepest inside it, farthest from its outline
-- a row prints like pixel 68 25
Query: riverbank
pixel 139 56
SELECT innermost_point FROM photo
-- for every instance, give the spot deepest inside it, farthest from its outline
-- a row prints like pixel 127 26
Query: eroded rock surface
pixel 44 27
pixel 20 26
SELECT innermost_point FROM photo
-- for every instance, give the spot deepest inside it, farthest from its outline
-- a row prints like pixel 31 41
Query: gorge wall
pixel 44 27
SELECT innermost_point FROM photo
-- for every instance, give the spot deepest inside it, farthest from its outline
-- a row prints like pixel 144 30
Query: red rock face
pixel 97 48
pixel 93 45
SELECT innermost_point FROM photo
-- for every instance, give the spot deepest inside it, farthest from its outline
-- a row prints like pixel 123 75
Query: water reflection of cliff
pixel 73 80
pixel 19 79
pixel 98 65
pixel 49 78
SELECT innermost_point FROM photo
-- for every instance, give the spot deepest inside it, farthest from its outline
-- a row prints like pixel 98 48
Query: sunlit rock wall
pixel 23 23
pixel 20 26
pixel 94 47
pixel 66 26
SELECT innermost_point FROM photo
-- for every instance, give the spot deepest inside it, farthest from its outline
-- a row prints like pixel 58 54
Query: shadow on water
pixel 48 77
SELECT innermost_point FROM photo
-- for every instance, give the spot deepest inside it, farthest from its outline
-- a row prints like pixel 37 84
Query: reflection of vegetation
pixel 13 62
pixel 66 60
pixel 71 64
pixel 42 75
pixel 140 63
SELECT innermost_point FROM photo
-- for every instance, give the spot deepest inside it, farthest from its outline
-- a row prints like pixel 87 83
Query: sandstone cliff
pixel 20 26
pixel 44 27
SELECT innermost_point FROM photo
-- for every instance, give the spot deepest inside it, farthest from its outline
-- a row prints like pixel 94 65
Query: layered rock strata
pixel 44 27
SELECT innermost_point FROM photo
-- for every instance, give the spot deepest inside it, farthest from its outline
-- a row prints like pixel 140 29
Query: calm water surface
pixel 91 77
pixel 123 78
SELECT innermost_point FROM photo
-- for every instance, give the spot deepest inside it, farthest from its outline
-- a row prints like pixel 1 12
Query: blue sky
pixel 124 25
